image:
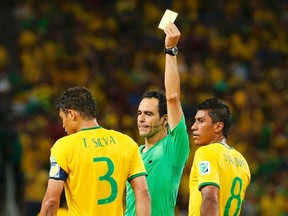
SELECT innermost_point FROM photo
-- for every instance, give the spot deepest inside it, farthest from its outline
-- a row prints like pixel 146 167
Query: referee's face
pixel 148 120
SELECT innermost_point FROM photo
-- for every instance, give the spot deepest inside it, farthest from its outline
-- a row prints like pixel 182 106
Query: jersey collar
pixel 97 127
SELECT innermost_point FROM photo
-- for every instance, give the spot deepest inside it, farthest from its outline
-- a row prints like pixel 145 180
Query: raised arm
pixel 171 79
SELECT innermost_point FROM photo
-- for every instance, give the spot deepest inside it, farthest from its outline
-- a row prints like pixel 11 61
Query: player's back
pixel 98 162
pixel 234 178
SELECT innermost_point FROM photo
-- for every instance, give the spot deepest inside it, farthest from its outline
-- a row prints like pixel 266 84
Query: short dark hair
pixel 79 99
pixel 161 96
pixel 218 111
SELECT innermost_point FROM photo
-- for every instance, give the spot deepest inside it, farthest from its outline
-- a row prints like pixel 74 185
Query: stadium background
pixel 236 50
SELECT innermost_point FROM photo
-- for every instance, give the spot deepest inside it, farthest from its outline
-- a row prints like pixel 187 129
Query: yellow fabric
pixel 222 166
pixel 60 212
pixel 98 163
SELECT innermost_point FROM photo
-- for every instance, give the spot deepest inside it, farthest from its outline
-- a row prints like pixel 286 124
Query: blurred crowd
pixel 236 50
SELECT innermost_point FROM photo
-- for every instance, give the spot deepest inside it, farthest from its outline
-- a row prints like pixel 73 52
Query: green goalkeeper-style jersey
pixel 164 163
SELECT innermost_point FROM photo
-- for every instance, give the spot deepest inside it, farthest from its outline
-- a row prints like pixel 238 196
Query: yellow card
pixel 167 17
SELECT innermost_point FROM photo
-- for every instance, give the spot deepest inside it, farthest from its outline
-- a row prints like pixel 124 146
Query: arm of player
pixel 142 196
pixel 210 205
pixel 172 79
pixel 51 200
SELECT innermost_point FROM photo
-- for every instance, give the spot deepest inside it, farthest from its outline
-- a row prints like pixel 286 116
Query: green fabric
pixel 164 163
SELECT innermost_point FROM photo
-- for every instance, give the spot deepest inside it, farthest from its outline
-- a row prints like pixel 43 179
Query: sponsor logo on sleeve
pixel 204 167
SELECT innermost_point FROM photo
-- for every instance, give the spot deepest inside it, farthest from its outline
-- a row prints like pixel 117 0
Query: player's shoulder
pixel 67 139
pixel 239 154
pixel 121 136
pixel 64 139
pixel 212 148
pixel 115 132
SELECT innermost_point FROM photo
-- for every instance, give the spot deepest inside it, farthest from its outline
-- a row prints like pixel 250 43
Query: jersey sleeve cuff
pixel 137 175
pixel 208 183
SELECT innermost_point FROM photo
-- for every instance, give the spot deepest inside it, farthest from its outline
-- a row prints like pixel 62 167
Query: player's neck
pixel 88 124
pixel 219 139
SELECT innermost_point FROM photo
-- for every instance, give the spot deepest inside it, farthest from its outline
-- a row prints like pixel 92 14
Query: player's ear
pixel 72 114
pixel 219 127
pixel 165 119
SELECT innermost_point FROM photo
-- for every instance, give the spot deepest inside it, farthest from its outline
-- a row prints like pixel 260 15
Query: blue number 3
pixel 107 177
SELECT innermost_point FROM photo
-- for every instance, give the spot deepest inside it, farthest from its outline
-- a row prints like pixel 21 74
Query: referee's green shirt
pixel 164 163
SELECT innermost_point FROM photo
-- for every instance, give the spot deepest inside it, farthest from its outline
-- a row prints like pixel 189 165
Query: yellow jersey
pixel 98 163
pixel 224 167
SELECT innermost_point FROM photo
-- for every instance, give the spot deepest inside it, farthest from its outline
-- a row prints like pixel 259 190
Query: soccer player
pixel 162 124
pixel 92 163
pixel 220 174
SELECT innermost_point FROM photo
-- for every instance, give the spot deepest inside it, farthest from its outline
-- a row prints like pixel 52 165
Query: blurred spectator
pixel 239 46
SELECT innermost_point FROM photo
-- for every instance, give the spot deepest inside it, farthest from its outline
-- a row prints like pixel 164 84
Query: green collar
pixel 97 127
